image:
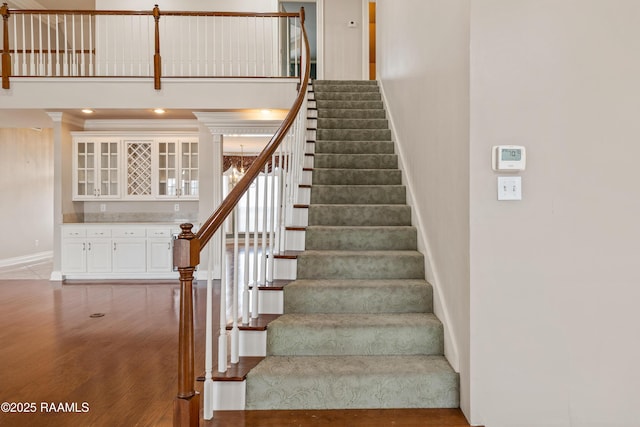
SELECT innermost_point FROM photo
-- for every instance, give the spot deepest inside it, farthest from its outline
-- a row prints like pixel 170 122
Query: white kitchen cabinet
pixel 86 250
pixel 129 250
pixel 96 168
pixel 118 251
pixel 160 250
pixel 74 252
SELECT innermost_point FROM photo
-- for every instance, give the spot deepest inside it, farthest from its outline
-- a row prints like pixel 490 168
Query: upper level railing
pixel 151 44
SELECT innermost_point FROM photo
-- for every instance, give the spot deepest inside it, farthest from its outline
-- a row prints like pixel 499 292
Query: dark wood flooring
pixel 119 369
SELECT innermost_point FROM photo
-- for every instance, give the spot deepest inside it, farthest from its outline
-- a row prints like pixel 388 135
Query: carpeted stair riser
pixel 353 215
pixel 352 113
pixel 358 296
pixel 360 265
pixel 354 147
pixel 353 134
pixel 332 238
pixel 332 176
pixel 358 194
pixel 333 382
pixel 344 123
pixel 356 161
pixel 355 334
pixel 322 104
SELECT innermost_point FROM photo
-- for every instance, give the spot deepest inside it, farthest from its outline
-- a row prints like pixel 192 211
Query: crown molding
pixel 146 125
pixel 59 117
pixel 238 123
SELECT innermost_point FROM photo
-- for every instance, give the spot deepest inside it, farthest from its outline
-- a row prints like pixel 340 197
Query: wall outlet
pixel 103 207
pixel 36 243
pixel 176 207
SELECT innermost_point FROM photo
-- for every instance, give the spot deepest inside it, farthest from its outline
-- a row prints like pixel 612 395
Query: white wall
pixel 555 278
pixel 342 45
pixel 26 192
pixel 423 67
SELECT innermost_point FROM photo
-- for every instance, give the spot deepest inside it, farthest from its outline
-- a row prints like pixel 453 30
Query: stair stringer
pixel 440 306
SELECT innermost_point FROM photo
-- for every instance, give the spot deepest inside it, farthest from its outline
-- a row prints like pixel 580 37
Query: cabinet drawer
pixel 98 232
pixel 73 232
pixel 129 232
pixel 159 232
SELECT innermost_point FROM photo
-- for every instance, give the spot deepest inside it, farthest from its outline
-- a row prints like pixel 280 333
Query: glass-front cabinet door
pixel 96 169
pixel 178 169
pixel 189 169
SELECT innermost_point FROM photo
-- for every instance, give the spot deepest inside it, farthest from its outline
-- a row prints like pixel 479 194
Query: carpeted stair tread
pixel 352 113
pixel 354 147
pixel 350 104
pixel 359 214
pixel 353 134
pixel 358 194
pixel 334 382
pixel 360 265
pixel 346 88
pixel 304 334
pixel 358 296
pixel 349 176
pixel 347 96
pixel 389 238
pixel 355 161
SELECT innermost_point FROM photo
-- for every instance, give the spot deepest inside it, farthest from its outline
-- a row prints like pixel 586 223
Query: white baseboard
pixel 27 259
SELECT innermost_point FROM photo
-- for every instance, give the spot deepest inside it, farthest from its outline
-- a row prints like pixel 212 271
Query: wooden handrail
pixel 186 256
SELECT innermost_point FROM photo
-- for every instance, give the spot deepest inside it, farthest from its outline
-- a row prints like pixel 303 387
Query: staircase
pixel 358 329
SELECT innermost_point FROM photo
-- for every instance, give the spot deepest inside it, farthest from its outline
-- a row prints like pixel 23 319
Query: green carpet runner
pixel 358 329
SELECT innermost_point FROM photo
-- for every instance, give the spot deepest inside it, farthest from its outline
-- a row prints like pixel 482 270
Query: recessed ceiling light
pixel 87 110
pixel 159 111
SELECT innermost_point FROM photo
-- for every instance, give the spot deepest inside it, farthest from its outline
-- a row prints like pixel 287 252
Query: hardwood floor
pixel 120 369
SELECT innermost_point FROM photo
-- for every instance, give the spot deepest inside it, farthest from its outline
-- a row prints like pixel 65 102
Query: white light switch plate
pixel 509 188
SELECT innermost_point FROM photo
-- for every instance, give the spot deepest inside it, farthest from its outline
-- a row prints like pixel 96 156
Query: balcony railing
pixel 148 44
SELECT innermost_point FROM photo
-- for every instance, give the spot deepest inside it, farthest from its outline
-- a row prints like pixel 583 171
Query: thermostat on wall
pixel 506 158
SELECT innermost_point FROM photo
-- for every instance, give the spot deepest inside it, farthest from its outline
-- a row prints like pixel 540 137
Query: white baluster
pixel 235 332
pixel 32 63
pixel 208 355
pixel 25 71
pixel 222 339
pixel 272 219
pixel 49 59
pixel 41 47
pixel 264 227
pixel 254 290
pixel 91 73
pixel 245 279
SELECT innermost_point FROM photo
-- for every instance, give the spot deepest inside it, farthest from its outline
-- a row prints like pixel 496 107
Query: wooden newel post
pixel 186 256
pixel 6 57
pixel 157 61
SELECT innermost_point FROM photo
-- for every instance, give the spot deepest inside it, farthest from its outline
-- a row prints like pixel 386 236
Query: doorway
pixel 310 24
